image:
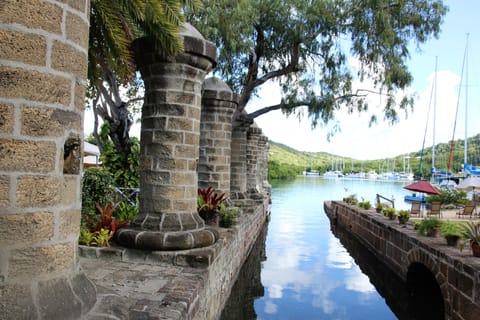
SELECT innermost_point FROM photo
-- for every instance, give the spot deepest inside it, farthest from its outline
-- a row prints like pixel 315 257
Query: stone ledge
pixel 132 284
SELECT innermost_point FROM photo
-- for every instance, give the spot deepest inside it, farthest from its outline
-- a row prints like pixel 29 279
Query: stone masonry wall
pixel 43 69
pixel 457 273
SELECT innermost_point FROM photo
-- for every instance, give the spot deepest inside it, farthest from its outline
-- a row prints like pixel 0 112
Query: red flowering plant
pixel 209 203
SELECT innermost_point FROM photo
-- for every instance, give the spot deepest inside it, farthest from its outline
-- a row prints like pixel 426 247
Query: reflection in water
pixel 306 272
pixel 248 285
pixel 420 298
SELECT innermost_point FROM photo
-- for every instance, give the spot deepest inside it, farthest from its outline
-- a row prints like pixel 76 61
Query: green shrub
pixel 125 169
pixel 428 227
pixel 227 215
pixel 97 187
pixel 452 196
pixel 390 213
pixel 365 205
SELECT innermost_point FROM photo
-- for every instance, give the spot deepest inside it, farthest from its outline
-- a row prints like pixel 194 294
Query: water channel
pixel 301 268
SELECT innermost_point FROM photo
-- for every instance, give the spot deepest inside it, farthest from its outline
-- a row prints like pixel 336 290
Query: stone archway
pixel 426 298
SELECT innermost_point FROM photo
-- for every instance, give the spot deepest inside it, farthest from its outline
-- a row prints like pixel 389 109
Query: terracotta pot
pixel 452 240
pixel 475 248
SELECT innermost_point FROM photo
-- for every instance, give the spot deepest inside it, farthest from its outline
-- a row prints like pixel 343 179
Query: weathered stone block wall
pixel 238 164
pixel 43 69
pixel 457 274
pixel 218 105
pixel 225 269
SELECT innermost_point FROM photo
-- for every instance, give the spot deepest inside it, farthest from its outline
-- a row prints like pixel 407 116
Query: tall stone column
pixel 218 105
pixel 169 147
pixel 43 69
pixel 263 167
pixel 238 169
pixel 254 187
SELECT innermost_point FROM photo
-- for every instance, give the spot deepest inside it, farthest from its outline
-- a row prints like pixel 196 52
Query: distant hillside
pixel 281 154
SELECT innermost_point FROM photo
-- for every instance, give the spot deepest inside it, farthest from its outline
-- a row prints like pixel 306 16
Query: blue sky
pixel 359 141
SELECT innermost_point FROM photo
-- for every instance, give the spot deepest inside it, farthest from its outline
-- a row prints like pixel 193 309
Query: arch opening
pixel 426 299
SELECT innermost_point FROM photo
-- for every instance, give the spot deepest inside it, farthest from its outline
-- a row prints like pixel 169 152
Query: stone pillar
pixel 263 167
pixel 254 187
pixel 218 105
pixel 43 70
pixel 169 147
pixel 238 169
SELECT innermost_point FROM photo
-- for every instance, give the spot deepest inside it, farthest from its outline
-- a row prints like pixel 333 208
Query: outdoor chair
pixel 415 210
pixel 466 211
pixel 434 209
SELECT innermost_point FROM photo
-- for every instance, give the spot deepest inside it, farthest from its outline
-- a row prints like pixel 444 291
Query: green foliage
pixel 277 170
pixel 390 213
pixel 126 211
pixel 428 227
pixel 97 187
pixel 403 216
pixel 451 229
pixel 452 196
pixel 351 199
pixel 365 205
pixel 227 215
pixel 471 231
pixel 86 237
pixel 102 237
pixel 307 53
pixel 124 169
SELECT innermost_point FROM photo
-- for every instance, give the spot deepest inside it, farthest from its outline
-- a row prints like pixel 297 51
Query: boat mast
pixel 452 142
pixel 466 103
pixel 434 114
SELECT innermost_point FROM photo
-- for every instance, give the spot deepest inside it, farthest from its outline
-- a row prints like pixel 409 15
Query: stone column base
pixel 158 240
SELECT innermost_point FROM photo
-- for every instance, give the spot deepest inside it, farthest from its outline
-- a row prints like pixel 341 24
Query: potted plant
pixel 208 205
pixel 429 227
pixel 365 205
pixel 452 232
pixel 379 207
pixel 390 213
pixel 471 233
pixel 403 216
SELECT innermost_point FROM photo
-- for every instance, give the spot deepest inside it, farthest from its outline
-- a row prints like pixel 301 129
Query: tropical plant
pixel 114 24
pixel 451 231
pixel 450 196
pixel 471 234
pixel 429 227
pixel 379 207
pixel 124 168
pixel 351 199
pixel 227 215
pixel 390 213
pixel 403 216
pixel 209 202
pixel 305 47
pixel 365 205
pixel 97 187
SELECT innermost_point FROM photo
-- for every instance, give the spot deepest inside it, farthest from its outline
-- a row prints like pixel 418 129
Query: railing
pixel 129 194
pixel 392 201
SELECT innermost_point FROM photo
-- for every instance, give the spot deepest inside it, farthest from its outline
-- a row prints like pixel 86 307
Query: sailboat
pixel 468 169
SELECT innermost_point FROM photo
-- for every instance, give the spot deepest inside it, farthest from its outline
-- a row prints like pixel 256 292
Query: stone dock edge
pixel 187 284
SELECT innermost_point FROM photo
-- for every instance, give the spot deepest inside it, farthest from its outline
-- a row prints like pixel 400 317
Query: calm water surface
pixel 306 273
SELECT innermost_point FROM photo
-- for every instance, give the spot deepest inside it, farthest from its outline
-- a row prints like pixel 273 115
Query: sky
pixel 359 141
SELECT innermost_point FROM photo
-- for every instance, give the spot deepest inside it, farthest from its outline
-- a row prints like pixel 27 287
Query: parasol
pixel 469 184
pixel 422 186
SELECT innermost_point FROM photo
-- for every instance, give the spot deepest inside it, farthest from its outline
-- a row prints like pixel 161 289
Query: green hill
pixel 285 161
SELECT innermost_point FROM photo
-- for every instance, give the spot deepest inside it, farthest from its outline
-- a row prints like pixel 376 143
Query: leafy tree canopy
pixel 305 46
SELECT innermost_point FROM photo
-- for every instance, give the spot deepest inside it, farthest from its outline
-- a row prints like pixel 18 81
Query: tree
pixel 114 24
pixel 304 45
